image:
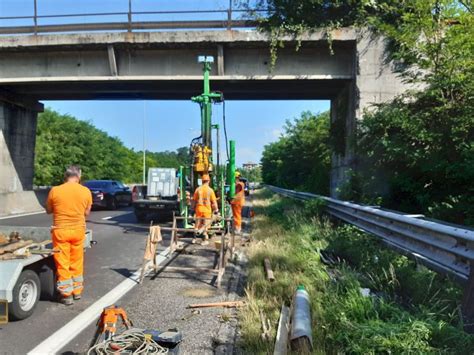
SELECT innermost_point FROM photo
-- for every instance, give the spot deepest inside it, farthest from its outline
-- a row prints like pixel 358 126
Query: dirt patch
pixel 199 292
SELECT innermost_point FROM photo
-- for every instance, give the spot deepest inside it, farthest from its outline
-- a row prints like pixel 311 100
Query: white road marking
pixel 109 217
pixel 22 215
pixel 58 340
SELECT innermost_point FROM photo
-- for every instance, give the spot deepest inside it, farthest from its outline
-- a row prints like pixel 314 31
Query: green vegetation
pixel 63 140
pixel 301 157
pixel 410 309
pixel 253 175
pixel 415 153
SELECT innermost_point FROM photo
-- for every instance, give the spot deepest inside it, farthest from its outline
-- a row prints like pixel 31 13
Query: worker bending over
pixel 204 203
pixel 69 203
pixel 238 202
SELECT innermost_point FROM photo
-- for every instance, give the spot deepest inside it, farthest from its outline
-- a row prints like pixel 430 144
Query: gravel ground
pixel 161 301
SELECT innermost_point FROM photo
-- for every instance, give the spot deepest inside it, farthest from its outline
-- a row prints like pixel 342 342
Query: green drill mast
pixel 202 148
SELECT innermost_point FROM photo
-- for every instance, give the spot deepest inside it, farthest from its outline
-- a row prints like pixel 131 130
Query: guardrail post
pixel 468 302
pixel 129 15
pixel 35 18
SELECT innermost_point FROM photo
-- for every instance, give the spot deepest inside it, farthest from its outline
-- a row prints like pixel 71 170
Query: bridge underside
pixel 171 89
pixel 352 74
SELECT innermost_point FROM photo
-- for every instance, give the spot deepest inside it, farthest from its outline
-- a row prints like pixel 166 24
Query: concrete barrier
pixel 20 202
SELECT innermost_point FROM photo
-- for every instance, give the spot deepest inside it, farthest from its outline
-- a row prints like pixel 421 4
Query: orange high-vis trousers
pixel 69 260
pixel 201 213
pixel 237 213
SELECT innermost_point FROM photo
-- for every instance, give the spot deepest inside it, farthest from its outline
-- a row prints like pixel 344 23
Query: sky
pixel 172 124
pixel 168 124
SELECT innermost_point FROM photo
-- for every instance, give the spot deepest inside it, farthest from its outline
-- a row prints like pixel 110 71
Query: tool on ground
pixel 107 324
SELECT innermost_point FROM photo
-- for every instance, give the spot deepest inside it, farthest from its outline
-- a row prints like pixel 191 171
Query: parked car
pixel 109 193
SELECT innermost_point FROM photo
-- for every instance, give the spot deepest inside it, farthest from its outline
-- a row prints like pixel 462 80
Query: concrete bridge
pixel 162 65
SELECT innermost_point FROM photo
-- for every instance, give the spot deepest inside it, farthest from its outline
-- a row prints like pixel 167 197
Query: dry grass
pixel 273 241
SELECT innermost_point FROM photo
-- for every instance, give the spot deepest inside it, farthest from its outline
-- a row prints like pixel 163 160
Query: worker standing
pixel 204 203
pixel 69 203
pixel 238 202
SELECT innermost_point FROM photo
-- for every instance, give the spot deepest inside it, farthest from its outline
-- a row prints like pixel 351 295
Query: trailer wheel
pixel 26 294
pixel 47 278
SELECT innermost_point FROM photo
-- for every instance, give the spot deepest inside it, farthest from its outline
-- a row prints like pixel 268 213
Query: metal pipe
pixel 92 14
pixel 129 15
pixel 182 192
pixel 36 16
pixel 229 16
pixel 144 145
pixel 231 171
pixel 125 26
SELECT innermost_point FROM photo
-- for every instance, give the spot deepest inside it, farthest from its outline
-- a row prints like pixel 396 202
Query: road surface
pixel 118 253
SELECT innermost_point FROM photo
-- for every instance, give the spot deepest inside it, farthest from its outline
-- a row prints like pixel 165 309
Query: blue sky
pixel 172 124
pixel 169 124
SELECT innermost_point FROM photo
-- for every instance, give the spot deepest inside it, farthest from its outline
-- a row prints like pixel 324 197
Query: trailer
pixel 27 279
pixel 161 197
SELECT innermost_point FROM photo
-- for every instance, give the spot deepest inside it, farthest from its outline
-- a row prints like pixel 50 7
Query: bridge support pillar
pixel 17 151
pixel 342 138
pixel 375 80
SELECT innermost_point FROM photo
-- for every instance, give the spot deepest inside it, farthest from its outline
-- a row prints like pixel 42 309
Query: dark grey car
pixel 109 193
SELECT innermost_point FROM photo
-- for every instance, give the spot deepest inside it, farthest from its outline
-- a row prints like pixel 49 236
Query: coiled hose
pixel 133 341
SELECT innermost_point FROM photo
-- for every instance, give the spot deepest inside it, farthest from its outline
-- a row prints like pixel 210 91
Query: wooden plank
pixel 268 270
pixel 281 340
pixel 189 268
pixel 14 246
pixel 228 304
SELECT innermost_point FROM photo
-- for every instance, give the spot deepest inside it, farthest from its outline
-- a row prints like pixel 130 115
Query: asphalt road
pixel 117 254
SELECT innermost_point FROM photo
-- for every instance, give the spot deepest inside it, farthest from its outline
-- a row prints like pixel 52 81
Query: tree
pixel 415 153
pixel 63 140
pixel 301 157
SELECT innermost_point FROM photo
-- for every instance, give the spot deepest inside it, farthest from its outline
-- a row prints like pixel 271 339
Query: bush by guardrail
pixel 441 247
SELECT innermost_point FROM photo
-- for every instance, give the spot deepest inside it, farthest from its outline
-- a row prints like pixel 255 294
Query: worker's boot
pixel 205 241
pixel 68 300
pixel 77 297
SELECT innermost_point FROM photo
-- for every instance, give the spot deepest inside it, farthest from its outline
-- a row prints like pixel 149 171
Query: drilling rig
pixel 205 155
pixel 205 158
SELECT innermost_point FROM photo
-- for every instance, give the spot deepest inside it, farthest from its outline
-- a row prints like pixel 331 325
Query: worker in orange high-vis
pixel 238 202
pixel 69 203
pixel 204 203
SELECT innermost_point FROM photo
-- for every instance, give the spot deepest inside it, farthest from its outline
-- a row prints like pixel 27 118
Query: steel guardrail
pixel 444 248
pixel 130 24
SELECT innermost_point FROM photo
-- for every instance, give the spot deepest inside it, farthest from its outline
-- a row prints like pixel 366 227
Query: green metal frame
pixel 222 176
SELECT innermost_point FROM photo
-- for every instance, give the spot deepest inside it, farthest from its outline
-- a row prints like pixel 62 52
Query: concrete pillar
pixel 17 152
pixel 342 138
pixel 375 81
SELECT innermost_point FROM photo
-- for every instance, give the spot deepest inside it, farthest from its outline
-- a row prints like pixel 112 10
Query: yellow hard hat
pixel 205 177
pixel 237 174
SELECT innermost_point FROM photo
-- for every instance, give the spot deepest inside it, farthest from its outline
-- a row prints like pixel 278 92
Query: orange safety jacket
pixel 239 198
pixel 204 197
